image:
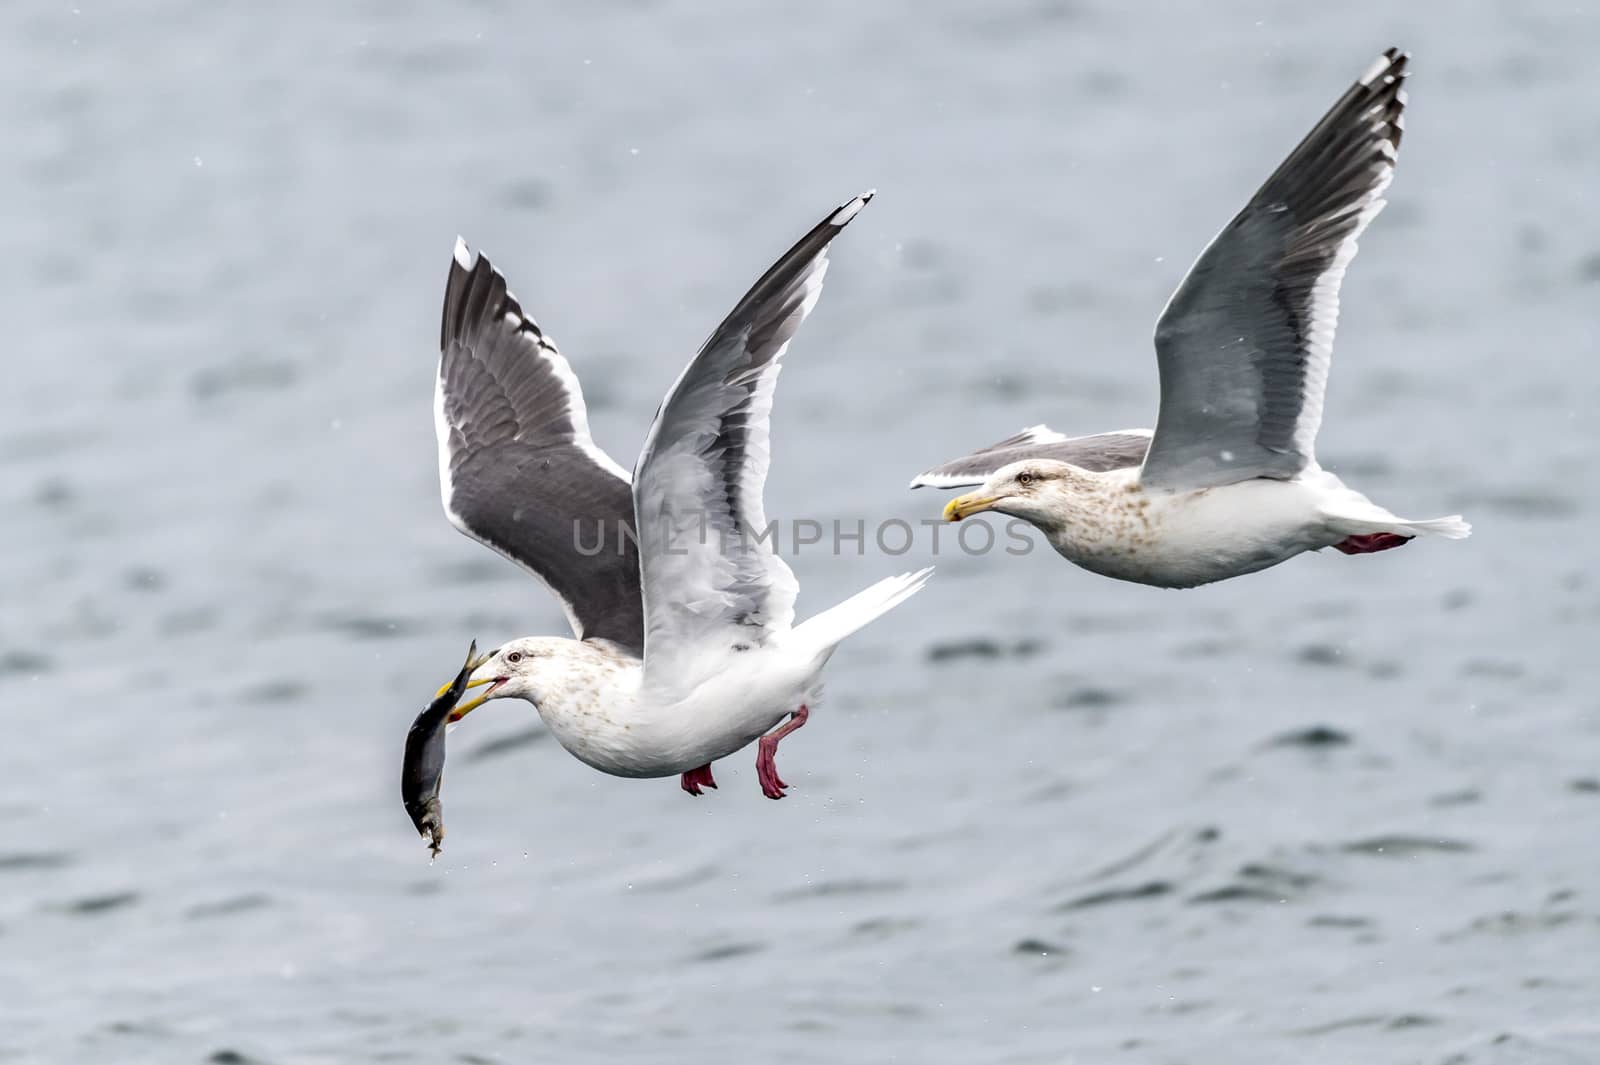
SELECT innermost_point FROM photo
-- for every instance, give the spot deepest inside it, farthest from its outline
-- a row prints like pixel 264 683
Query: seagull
pixel 685 649
pixel 1228 482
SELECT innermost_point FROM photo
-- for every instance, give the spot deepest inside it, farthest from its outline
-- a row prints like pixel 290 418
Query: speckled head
pixel 514 671
pixel 1034 490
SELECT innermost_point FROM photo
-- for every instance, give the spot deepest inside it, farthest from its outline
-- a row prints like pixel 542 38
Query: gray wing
pixel 518 470
pixel 1245 341
pixel 1098 453
pixel 711 581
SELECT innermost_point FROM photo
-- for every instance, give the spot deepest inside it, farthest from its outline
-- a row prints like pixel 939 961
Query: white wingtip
pixel 945 480
pixel 1042 434
pixel 1380 64
pixel 843 215
pixel 463 257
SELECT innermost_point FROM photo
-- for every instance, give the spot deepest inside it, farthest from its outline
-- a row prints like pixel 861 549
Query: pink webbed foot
pixel 1366 545
pixel 695 779
pixel 772 785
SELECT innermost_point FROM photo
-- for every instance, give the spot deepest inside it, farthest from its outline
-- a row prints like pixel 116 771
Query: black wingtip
pixel 1392 86
pixel 475 293
pixel 464 264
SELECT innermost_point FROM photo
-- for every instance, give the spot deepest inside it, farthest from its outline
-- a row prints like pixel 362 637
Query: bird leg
pixel 1366 545
pixel 695 779
pixel 766 768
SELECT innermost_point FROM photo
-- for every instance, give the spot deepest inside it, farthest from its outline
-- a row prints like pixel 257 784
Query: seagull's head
pixel 512 672
pixel 1032 490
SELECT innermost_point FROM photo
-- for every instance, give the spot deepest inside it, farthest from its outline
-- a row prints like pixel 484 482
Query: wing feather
pixel 712 581
pixel 1099 453
pixel 1245 342
pixel 518 469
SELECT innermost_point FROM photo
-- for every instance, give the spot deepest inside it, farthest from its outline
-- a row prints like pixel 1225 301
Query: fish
pixel 422 772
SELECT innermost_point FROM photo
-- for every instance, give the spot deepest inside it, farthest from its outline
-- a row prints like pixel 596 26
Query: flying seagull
pixel 1228 483
pixel 685 649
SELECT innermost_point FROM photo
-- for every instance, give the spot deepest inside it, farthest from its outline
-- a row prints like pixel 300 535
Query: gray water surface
pixel 1342 811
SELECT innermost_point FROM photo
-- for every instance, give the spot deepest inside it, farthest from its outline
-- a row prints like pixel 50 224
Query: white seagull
pixel 1228 483
pixel 685 650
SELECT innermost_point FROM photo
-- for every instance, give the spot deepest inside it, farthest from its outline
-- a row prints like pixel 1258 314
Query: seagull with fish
pixel 1228 482
pixel 685 649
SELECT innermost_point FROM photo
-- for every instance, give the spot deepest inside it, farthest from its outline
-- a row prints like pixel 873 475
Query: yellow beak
pixel 968 505
pixel 471 684
pixel 473 662
pixel 463 709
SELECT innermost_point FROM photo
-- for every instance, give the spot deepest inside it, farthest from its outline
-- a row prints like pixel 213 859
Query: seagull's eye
pixel 514 657
pixel 1025 479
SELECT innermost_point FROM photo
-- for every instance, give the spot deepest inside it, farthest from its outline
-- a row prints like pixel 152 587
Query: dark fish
pixel 423 769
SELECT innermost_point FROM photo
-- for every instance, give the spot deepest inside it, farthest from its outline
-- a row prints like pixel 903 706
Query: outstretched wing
pixel 712 581
pixel 517 468
pixel 1245 341
pixel 1100 452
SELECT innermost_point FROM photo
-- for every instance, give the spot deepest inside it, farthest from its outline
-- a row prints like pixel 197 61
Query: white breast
pixel 1183 539
pixel 618 725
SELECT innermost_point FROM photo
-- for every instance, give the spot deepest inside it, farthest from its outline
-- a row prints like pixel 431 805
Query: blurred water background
pixel 1344 810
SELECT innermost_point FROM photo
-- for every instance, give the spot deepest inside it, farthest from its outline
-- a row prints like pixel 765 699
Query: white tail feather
pixel 826 630
pixel 1451 528
pixel 1349 513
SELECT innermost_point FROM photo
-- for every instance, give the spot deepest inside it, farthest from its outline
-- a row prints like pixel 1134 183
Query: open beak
pixel 968 505
pixel 463 709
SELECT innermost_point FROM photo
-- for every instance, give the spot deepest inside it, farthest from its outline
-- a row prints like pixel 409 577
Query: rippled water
pixel 1344 810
